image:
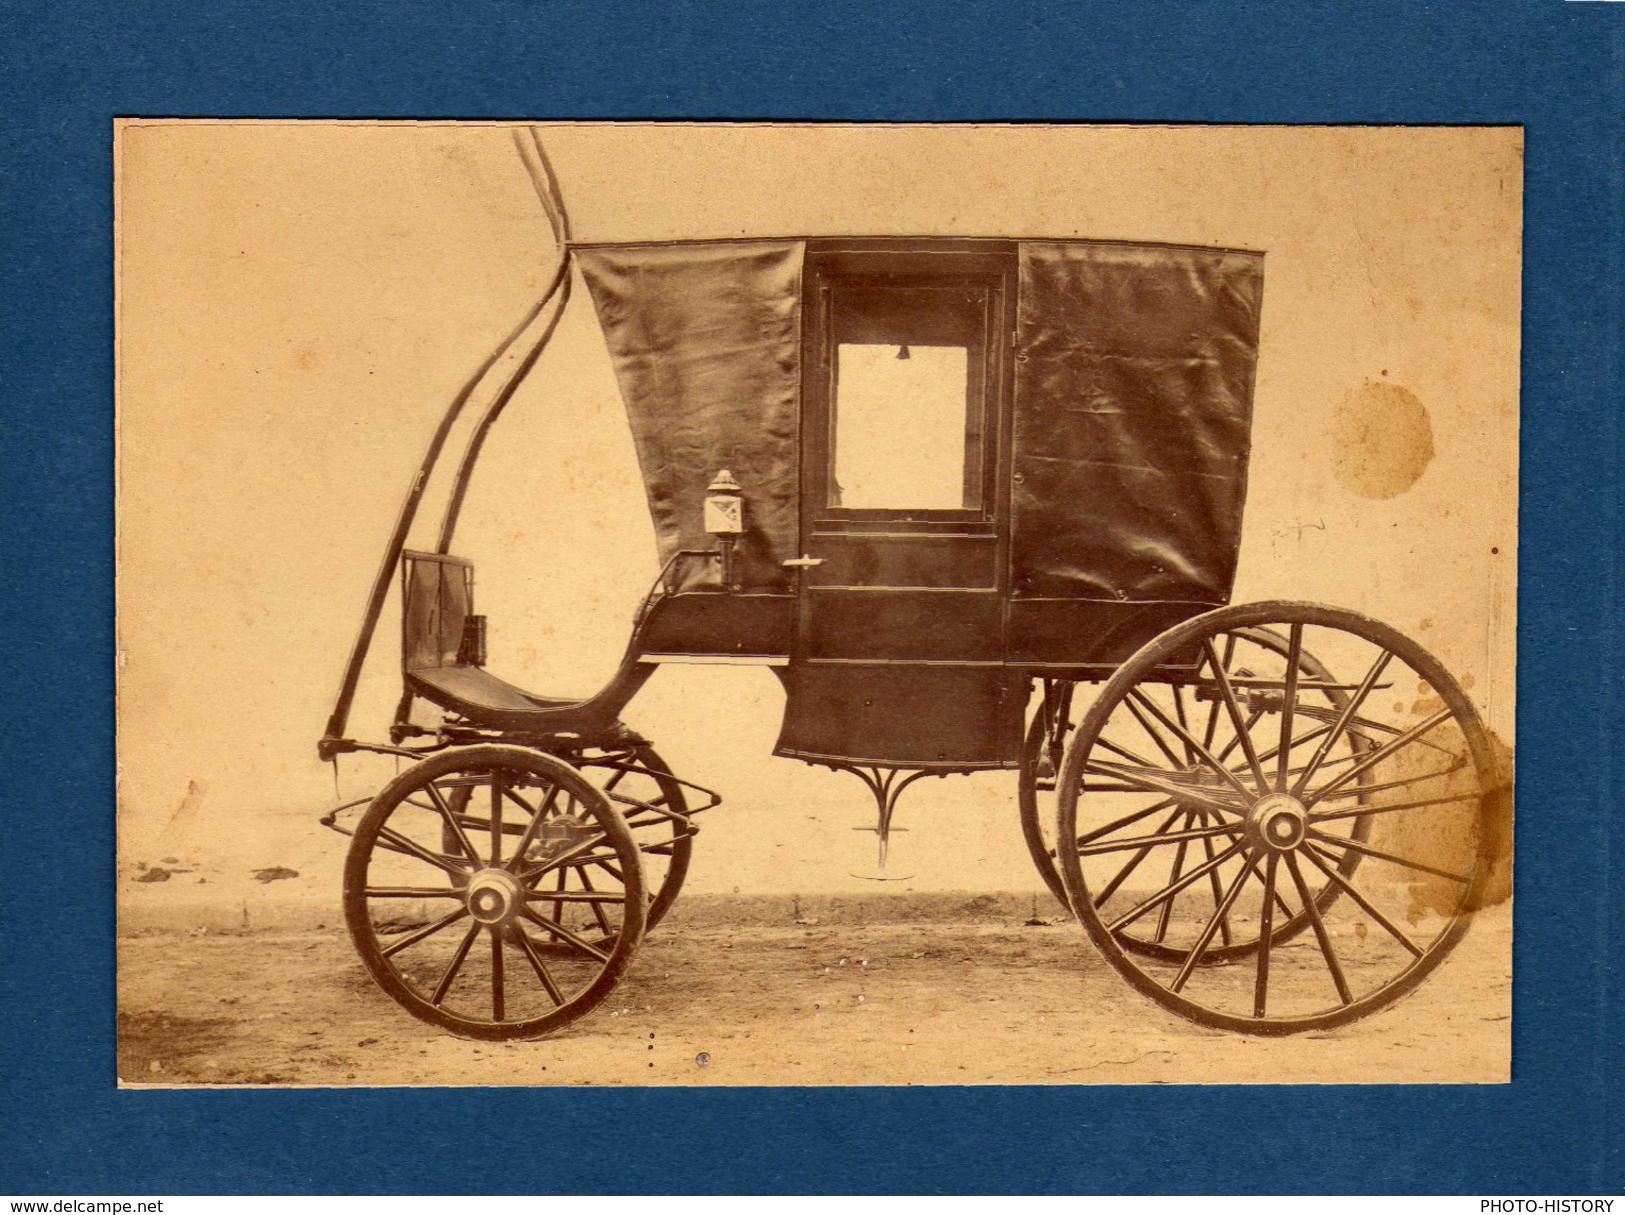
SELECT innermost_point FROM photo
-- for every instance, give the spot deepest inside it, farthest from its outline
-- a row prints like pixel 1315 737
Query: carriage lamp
pixel 725 519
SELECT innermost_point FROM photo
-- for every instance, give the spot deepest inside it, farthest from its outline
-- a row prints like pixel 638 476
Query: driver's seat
pixel 443 661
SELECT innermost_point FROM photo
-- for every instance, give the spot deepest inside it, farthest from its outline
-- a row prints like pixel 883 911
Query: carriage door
pixel 900 635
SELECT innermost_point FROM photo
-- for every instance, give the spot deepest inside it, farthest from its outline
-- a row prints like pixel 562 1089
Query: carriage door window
pixel 907 399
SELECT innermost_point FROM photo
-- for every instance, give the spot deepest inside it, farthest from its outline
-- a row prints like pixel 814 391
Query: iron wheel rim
pixel 1401 962
pixel 489 961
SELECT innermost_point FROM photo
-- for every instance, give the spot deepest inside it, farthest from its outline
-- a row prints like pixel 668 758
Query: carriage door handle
pixel 802 563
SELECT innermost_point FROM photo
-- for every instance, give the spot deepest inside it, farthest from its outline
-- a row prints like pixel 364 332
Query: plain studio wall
pixel 297 303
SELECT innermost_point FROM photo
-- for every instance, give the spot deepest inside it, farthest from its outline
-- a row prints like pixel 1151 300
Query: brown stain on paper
pixel 1382 440
pixel 186 812
pixel 1451 834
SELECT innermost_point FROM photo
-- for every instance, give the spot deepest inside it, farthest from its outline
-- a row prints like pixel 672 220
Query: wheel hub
pixel 1279 822
pixel 493 896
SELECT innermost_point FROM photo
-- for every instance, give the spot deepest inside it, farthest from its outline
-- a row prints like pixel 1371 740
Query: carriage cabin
pixel 959 464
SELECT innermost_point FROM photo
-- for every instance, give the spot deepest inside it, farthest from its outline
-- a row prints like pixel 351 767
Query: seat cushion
pixel 475 692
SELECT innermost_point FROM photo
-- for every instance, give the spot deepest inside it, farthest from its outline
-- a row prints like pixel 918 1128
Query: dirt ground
pixel 917 1003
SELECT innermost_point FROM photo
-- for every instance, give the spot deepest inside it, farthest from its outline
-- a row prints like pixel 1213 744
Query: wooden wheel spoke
pixel 1265 756
pixel 573 855
pixel 558 903
pixel 1341 724
pixel 1153 841
pixel 423 934
pixel 498 995
pixel 1312 909
pixel 496 819
pixel 1376 757
pixel 1357 725
pixel 1219 915
pixel 1213 880
pixel 1170 891
pixel 443 808
pixel 574 896
pixel 598 907
pixel 1117 749
pixel 1152 732
pixel 1414 804
pixel 536 817
pixel 396 842
pixel 513 795
pixel 1167 910
pixel 658 816
pixel 1133 863
pixel 1266 925
pixel 564 934
pixel 1378 855
pixel 1151 783
pixel 456 964
pixel 1202 752
pixel 1289 702
pixel 1243 733
pixel 1128 820
pixel 1184 720
pixel 1253 718
pixel 1306 737
pixel 1213 709
pixel 656 806
pixel 413 892
pixel 1361 901
pixel 1387 786
pixel 528 948
pixel 607 867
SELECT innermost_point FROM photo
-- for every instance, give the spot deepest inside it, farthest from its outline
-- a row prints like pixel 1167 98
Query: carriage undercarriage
pixel 1248 817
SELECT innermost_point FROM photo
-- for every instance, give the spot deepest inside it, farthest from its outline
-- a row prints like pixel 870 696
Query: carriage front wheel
pixel 495 892
pixel 1216 736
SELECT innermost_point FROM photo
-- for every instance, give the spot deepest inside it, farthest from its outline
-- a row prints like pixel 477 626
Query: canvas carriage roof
pixel 881 240
pixel 1132 399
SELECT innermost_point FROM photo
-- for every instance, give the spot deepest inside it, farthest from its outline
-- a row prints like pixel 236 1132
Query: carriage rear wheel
pixel 482 936
pixel 650 798
pixel 1258 653
pixel 1202 741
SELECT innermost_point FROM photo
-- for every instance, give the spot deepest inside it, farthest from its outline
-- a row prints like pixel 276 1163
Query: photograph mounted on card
pixel 1076 646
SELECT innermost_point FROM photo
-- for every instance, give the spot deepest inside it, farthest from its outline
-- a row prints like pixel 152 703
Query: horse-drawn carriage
pixel 978 504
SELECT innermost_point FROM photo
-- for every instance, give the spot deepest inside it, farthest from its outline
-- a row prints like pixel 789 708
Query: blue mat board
pixel 67 69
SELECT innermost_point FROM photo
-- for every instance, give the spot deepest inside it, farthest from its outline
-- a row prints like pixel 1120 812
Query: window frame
pixel 827 272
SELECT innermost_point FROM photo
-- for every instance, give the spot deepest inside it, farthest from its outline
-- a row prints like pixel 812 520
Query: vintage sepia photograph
pixel 756 604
